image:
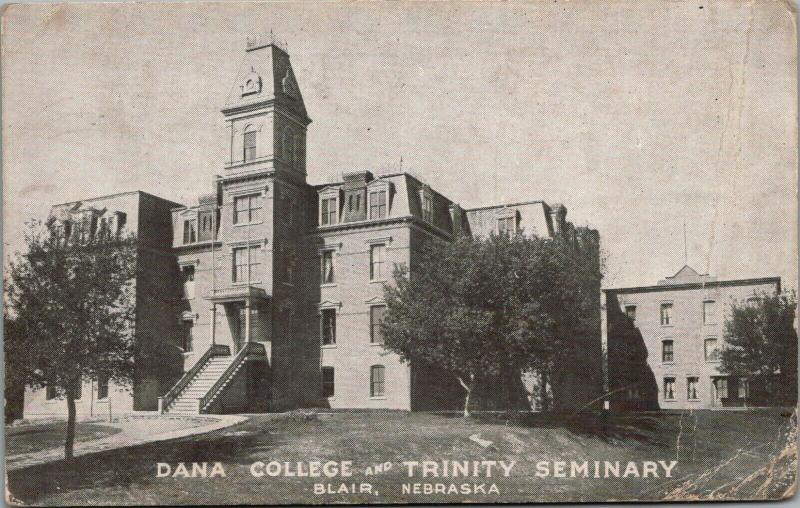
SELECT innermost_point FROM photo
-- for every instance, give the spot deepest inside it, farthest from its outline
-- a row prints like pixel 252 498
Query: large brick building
pixel 276 285
pixel 664 341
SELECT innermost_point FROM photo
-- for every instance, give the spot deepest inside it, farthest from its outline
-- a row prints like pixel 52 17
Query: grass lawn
pixel 45 436
pixel 721 455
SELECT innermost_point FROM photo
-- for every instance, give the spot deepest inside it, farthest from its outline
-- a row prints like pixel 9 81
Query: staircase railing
pixel 249 349
pixel 172 394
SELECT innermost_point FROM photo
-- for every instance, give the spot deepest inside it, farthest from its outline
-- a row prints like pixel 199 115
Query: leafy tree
pixel 71 295
pixel 761 345
pixel 494 307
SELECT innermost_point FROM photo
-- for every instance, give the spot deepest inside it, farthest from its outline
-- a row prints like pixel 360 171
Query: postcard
pixel 268 253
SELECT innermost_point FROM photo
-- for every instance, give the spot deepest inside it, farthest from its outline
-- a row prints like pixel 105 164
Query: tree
pixel 761 345
pixel 493 307
pixel 71 294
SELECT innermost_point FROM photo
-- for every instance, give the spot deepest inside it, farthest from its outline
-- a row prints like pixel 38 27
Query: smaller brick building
pixel 664 342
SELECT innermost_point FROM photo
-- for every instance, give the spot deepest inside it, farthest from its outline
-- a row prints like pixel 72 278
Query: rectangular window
pixel 328 382
pixel 206 226
pixel 327 267
pixel 247 209
pixel 507 226
pixel 328 327
pixel 720 388
pixel 377 204
pixel 691 388
pixel 711 351
pixel 667 351
pixel 377 384
pixel 288 258
pixel 375 318
pixel 50 392
pixel 328 209
pixel 67 231
pixel 377 255
pixel 669 388
pixel 244 269
pixel 103 227
pixel 743 388
pixel 186 343
pixel 709 312
pixel 188 281
pixel 189 231
pixel 102 387
pixel 630 311
pixel 249 146
pixel 427 208
pixel 666 314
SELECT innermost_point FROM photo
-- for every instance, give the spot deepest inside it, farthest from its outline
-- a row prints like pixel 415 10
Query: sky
pixel 639 117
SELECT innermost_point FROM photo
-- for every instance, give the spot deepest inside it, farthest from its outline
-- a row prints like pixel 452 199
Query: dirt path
pixel 134 430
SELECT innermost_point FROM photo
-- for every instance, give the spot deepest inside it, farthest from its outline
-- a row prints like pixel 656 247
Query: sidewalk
pixel 136 430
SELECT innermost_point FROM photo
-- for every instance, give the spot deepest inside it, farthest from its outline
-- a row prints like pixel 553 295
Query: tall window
pixel 742 388
pixel 188 281
pixel 104 233
pixel 327 267
pixel 711 350
pixel 186 343
pixel 377 255
pixel 328 382
pixel 691 388
pixel 377 381
pixel 666 314
pixel 669 388
pixel 427 207
pixel 249 145
pixel 50 392
pixel 375 319
pixel 630 311
pixel 328 208
pixel 507 225
pixel 67 231
pixel 709 312
pixel 102 386
pixel 667 351
pixel 328 327
pixel 189 231
pixel 377 204
pixel 720 388
pixel 247 209
pixel 241 263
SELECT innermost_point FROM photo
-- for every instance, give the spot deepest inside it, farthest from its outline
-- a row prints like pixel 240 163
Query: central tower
pixel 266 115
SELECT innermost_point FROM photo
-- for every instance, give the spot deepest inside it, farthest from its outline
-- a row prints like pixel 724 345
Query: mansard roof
pixel 265 75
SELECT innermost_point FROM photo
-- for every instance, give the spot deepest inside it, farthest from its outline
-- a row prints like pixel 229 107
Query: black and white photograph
pixel 269 253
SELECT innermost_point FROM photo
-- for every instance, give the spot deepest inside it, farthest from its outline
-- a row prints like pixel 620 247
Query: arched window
pixel 249 143
pixel 377 381
pixel 288 146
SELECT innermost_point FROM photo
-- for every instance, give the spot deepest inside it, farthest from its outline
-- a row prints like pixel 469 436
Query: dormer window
pixel 427 206
pixel 249 143
pixel 328 208
pixel 67 231
pixel 378 206
pixel 507 223
pixel 190 231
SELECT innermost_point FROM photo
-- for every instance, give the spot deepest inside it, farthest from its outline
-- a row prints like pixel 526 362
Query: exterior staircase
pixel 187 401
pixel 201 386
